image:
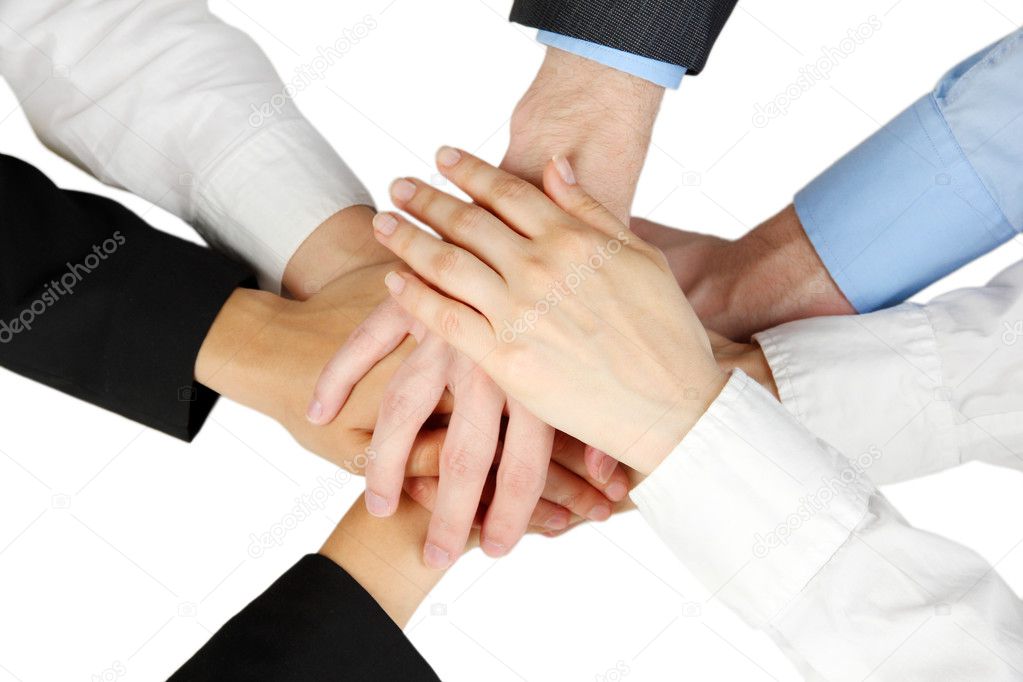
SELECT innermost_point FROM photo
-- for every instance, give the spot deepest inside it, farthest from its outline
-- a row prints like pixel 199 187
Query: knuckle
pixel 446 262
pixel 425 199
pixel 462 463
pixel 508 188
pixel 569 500
pixel 466 219
pixel 449 324
pixel 396 403
pixel 575 244
pixel 520 480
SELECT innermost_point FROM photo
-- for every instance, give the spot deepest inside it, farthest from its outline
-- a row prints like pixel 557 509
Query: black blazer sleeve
pixel 314 623
pixel 96 303
pixel 679 32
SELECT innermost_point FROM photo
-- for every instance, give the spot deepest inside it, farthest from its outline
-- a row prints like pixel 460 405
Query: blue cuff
pixel 661 73
pixel 902 210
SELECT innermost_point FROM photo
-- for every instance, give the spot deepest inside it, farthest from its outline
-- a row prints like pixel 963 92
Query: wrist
pixel 691 402
pixel 384 555
pixel 340 245
pixel 589 113
pixel 769 276
pixel 266 352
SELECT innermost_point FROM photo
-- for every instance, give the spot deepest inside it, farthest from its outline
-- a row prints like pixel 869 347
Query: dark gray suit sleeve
pixel 679 32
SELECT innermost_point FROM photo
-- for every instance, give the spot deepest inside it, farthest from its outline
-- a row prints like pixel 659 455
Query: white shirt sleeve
pixel 923 387
pixel 796 539
pixel 163 99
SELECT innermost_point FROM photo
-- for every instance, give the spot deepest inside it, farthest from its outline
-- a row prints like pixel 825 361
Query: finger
pixel 465 462
pixel 573 492
pixel 424 459
pixel 598 469
pixel 516 202
pixel 521 476
pixel 451 320
pixel 450 268
pixel 373 340
pixel 546 516
pixel 408 402
pixel 560 184
pixel 606 472
pixel 459 221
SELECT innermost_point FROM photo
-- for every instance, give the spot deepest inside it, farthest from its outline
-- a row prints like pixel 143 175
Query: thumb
pixel 561 185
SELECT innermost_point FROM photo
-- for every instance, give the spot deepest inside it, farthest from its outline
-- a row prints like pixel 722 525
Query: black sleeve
pixel 314 623
pixel 679 32
pixel 96 303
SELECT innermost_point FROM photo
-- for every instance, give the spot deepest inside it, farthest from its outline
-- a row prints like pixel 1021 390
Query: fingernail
pixel 314 411
pixel 402 189
pixel 384 223
pixel 599 512
pixel 564 169
pixel 617 491
pixel 376 504
pixel 557 521
pixel 435 557
pixel 607 467
pixel 394 282
pixel 494 549
pixel 448 156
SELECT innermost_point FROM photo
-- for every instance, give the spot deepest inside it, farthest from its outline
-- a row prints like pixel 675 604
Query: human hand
pixel 599 117
pixel 767 277
pixel 524 472
pixel 620 338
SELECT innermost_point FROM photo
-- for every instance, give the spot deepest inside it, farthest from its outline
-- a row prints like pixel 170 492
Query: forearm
pixel 598 117
pixel 342 244
pixel 769 276
pixel 385 556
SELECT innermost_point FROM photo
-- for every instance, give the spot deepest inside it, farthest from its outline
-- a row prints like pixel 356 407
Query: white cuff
pixel 751 502
pixel 262 199
pixel 870 385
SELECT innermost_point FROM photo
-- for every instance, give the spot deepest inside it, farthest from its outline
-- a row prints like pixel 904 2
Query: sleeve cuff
pixel 264 198
pixel 835 371
pixel 314 623
pixel 900 211
pixel 657 72
pixel 751 502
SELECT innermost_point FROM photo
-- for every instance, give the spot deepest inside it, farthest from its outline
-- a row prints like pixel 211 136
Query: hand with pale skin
pixel 523 470
pixel 266 352
pixel 623 342
pixel 575 107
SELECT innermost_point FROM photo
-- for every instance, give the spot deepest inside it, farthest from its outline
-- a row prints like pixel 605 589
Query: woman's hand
pixel 569 312
pixel 530 489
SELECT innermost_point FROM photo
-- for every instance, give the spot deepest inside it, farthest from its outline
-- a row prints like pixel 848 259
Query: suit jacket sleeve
pixel 314 623
pixel 96 303
pixel 680 32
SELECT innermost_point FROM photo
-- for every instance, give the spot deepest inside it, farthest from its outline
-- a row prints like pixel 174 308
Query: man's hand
pixel 769 276
pixel 597 117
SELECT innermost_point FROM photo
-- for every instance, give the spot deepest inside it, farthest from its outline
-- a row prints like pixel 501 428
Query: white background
pixel 123 549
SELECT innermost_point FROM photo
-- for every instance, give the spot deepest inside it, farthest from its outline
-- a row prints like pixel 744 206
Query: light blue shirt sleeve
pixel 662 73
pixel 935 188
